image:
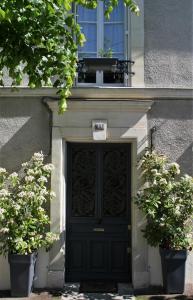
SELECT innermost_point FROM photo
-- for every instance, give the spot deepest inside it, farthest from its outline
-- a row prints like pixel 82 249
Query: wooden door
pixel 98 235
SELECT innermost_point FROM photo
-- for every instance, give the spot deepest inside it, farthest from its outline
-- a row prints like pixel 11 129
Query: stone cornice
pixel 113 106
pixel 102 93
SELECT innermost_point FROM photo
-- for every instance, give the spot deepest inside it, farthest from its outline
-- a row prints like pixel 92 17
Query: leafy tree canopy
pixel 40 38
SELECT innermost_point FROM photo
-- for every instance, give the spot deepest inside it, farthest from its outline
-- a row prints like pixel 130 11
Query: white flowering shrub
pixel 167 202
pixel 24 222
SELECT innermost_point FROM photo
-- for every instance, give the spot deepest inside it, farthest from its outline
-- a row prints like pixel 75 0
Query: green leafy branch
pixel 40 39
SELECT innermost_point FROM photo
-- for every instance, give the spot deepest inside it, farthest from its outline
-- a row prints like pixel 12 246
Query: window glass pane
pixel 114 37
pixel 88 77
pixel 85 14
pixel 118 13
pixel 90 32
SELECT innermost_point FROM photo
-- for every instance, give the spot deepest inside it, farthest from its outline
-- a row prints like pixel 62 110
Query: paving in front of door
pixel 71 292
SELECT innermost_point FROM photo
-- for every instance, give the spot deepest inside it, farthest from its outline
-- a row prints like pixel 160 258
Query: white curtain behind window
pixel 114 32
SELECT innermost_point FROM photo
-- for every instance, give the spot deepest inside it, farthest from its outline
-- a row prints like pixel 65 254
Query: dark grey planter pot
pixel 21 274
pixel 94 64
pixel 173 270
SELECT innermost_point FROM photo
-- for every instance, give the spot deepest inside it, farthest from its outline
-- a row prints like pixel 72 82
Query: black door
pixel 98 235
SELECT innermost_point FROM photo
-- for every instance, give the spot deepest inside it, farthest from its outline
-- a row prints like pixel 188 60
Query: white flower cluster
pixel 17 206
pixel 48 167
pixel 38 156
pixel 4 193
pixel 42 179
pixel 52 194
pixel 175 168
pixel 2 171
pixel 25 164
pixel 2 210
pixel 30 172
pixel 42 198
pixel 163 181
pixel 51 237
pixel 41 209
pixel 30 194
pixel 154 171
pixel 177 211
pixel 188 178
pixel 4 230
pixel 22 194
pixel 13 175
pixel 44 192
pixel 29 178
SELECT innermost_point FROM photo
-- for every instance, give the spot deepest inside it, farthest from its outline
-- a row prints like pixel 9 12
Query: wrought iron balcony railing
pixel 113 69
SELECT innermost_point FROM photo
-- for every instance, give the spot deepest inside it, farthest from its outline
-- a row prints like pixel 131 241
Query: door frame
pixel 127 124
pixel 62 207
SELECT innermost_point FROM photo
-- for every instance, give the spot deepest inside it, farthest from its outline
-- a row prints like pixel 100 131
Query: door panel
pixel 98 255
pixel 118 257
pixel 77 255
pixel 98 212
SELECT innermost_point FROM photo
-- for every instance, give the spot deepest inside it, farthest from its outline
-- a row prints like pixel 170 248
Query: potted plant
pixel 24 220
pixel 167 202
pixel 106 52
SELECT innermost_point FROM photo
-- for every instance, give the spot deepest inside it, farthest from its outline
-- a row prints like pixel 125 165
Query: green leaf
pixel 67 4
pixel 44 37
pixel 62 105
pixel 2 14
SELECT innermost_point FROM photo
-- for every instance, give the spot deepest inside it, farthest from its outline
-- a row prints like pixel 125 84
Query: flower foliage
pixel 167 201
pixel 23 218
pixel 40 38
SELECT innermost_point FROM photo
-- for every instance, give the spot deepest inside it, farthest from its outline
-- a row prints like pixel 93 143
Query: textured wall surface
pixel 174 130
pixel 24 129
pixel 168 43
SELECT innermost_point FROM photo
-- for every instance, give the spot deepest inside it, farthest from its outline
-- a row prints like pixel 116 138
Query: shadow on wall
pixel 41 269
pixel 186 161
pixel 24 129
pixel 174 130
pixel 5 279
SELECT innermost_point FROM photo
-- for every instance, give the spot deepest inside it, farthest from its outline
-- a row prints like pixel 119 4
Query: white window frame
pixel 100 45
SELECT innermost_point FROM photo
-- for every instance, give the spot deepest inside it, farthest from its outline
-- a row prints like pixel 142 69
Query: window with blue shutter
pixel 104 38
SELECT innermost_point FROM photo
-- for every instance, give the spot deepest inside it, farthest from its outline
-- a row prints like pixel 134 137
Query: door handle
pixel 99 229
